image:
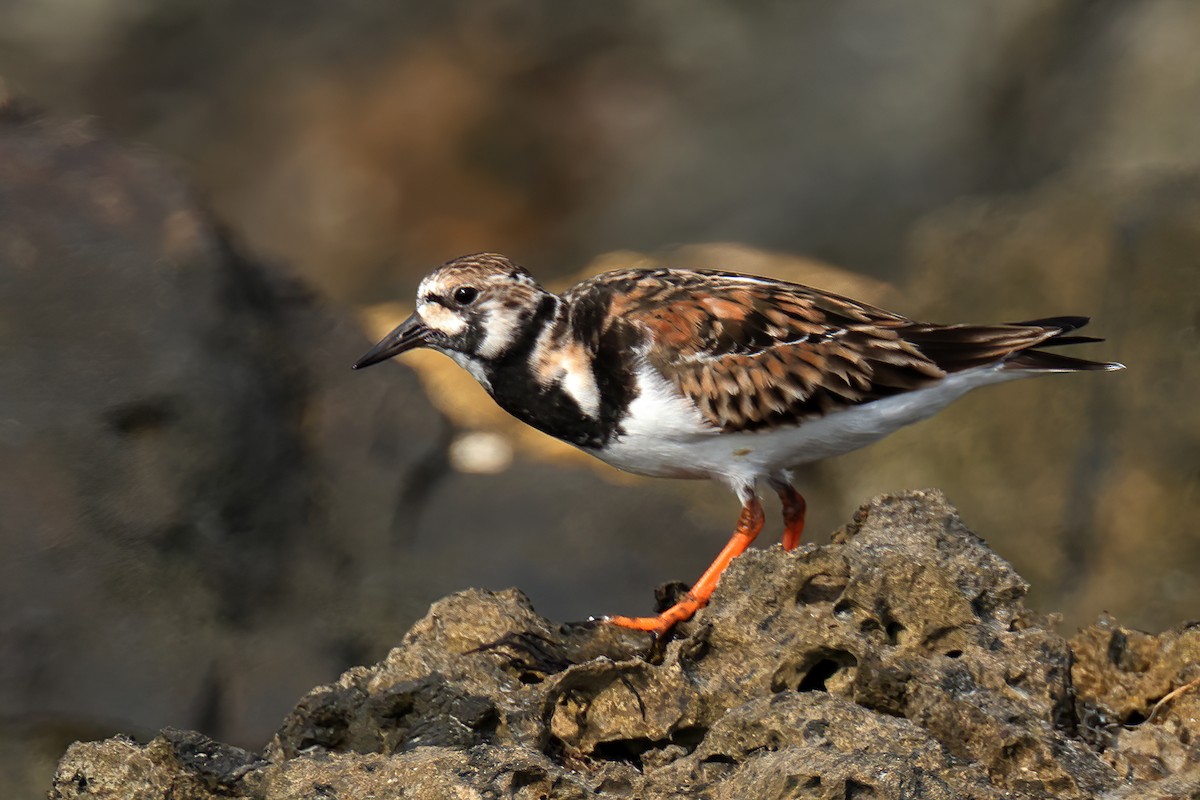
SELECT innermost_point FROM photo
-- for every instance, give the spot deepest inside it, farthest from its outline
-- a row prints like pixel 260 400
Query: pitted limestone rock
pixel 897 661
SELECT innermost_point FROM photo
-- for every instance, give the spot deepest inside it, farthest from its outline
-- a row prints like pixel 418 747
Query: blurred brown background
pixel 203 512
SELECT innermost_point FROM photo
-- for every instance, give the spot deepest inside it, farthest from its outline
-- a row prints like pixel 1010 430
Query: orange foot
pixel 750 523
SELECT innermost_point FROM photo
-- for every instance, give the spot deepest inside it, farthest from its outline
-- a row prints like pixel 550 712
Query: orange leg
pixel 750 522
pixel 794 509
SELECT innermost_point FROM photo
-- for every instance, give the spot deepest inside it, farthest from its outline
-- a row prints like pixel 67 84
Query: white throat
pixel 471 364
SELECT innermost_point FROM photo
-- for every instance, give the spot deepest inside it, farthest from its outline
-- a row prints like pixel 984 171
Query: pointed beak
pixel 408 335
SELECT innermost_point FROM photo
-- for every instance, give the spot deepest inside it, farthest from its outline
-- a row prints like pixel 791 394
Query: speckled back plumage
pixel 752 352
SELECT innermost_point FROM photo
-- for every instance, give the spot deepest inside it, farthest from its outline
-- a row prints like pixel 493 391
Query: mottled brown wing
pixel 752 352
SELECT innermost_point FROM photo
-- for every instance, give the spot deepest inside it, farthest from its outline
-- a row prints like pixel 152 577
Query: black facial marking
pixel 614 380
pixel 471 339
pixel 549 408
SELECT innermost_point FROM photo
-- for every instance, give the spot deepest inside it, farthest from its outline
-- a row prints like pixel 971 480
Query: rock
pixel 1126 676
pixel 897 661
pixel 179 764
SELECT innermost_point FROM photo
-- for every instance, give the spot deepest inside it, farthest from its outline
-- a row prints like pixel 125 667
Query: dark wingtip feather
pixel 1064 324
pixel 1061 340
pixel 1038 361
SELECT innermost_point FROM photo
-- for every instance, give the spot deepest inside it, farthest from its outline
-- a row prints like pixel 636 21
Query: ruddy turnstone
pixel 701 374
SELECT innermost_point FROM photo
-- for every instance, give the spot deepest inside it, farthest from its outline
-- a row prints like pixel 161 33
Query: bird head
pixel 473 308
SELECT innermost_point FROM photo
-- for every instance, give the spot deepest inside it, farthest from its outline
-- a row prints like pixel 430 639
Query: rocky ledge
pixel 897 661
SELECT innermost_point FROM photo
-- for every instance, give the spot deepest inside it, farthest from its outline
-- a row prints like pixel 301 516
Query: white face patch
pixel 441 319
pixel 581 386
pixel 570 366
pixel 500 328
pixel 494 313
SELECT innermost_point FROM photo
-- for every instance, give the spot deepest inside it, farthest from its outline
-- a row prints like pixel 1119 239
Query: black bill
pixel 408 335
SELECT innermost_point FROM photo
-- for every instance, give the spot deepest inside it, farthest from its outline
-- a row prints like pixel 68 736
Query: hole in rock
pixel 528 776
pixel 949 641
pixel 1135 718
pixel 689 738
pixel 326 727
pixel 843 609
pixel 396 711
pixel 821 672
pixel 795 782
pixel 858 791
pixel 895 632
pixel 719 758
pixel 816 672
pixel 821 588
pixel 627 751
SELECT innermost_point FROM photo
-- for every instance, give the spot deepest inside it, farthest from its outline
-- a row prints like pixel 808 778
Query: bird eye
pixel 465 295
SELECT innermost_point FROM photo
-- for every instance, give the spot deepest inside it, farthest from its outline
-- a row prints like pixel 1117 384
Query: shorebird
pixel 684 373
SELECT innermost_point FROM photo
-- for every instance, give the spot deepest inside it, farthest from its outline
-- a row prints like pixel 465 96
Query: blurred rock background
pixel 203 512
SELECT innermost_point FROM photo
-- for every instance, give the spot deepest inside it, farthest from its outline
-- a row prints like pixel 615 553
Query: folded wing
pixel 752 352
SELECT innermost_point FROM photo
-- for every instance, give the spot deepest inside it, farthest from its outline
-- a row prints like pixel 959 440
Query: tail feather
pixel 1061 340
pixel 959 347
pixel 1064 324
pixel 1038 361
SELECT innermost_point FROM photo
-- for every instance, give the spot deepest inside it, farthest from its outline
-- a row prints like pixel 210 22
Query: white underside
pixel 666 437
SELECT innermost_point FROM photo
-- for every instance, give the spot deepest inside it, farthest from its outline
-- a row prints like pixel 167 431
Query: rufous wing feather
pixel 752 353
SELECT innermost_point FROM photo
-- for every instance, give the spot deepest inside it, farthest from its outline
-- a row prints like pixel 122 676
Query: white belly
pixel 666 437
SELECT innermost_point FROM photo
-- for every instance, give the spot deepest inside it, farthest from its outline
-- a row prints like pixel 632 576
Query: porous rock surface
pixel 897 661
